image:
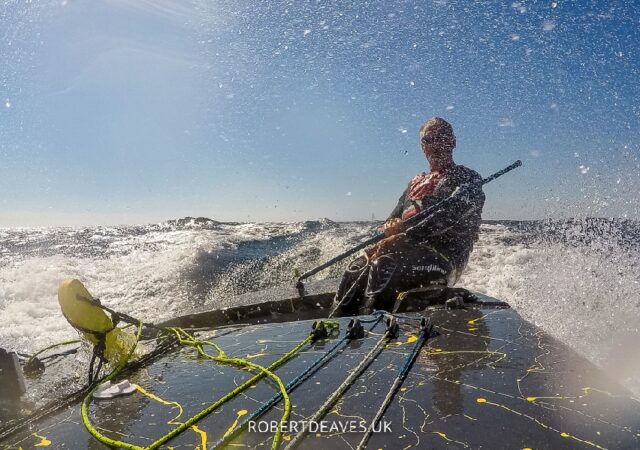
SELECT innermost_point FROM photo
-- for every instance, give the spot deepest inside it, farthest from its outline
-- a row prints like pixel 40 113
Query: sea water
pixel 576 279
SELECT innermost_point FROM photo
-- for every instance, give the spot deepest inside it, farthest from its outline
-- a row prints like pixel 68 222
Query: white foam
pixel 586 296
pixel 146 276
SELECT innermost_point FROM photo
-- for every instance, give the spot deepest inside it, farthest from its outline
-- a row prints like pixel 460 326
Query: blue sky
pixel 135 111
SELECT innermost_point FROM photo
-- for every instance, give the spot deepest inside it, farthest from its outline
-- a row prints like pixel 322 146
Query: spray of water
pixel 577 280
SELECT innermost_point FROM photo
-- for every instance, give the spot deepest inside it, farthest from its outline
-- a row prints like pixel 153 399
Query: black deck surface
pixel 488 380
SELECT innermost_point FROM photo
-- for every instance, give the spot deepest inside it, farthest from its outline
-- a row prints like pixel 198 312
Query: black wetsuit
pixel 438 247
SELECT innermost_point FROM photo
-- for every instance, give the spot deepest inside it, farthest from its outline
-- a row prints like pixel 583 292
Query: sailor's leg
pixel 379 293
pixel 394 273
pixel 351 289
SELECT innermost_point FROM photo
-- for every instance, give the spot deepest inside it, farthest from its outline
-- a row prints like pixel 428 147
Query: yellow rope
pixel 87 400
pixel 59 344
pixel 186 339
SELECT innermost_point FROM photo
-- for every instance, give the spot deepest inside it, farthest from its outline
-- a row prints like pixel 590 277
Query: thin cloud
pixel 179 11
pixel 123 47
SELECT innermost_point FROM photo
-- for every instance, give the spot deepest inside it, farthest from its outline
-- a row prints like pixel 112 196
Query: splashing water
pixel 576 279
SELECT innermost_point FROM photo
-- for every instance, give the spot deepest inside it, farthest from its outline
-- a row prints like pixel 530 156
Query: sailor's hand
pixel 390 244
pixel 370 253
pixel 393 226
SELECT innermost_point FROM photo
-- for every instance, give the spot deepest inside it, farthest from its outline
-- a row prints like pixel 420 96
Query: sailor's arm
pixel 394 224
pixel 463 203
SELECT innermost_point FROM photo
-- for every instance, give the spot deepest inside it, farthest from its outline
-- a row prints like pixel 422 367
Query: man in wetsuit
pixel 433 252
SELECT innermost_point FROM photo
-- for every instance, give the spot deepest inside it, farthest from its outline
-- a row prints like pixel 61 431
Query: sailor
pixel 433 252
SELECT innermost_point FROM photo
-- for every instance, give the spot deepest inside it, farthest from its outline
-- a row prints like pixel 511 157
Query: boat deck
pixel 485 379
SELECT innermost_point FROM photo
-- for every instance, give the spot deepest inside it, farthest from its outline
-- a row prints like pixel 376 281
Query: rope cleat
pixel 319 330
pixel 355 330
pixel 426 326
pixel 393 329
pixel 456 302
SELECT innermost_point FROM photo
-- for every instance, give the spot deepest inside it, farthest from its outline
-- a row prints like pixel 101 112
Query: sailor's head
pixel 438 140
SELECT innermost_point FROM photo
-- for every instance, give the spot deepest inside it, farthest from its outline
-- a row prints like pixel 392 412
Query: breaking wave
pixel 576 279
